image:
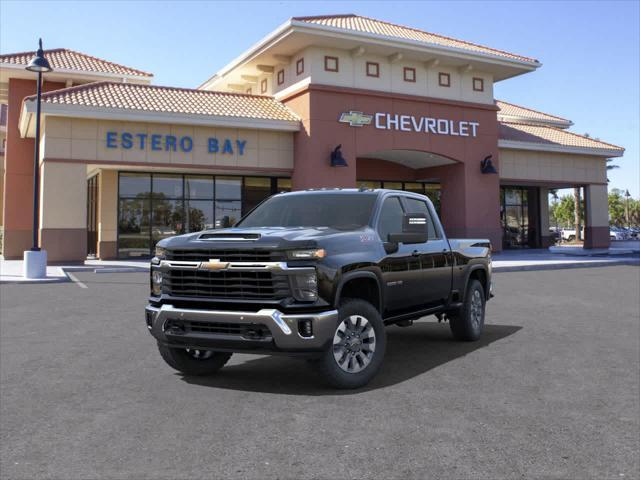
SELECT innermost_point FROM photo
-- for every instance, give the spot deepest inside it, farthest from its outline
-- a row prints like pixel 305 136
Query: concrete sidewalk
pixel 507 261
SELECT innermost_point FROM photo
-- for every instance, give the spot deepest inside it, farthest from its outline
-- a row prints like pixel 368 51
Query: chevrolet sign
pixel 213 265
pixel 355 119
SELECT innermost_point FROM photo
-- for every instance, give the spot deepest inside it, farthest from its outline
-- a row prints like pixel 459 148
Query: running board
pixel 421 313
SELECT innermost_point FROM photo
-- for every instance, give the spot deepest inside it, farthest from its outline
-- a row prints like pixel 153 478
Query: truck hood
pixel 264 237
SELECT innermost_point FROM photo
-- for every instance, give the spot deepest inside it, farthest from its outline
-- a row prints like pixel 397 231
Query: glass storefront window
pixel 167 186
pixel 284 185
pixel 198 188
pixel 167 218
pixel 393 185
pixel 135 185
pixel 413 187
pixel 228 188
pixel 198 215
pixel 133 227
pixel 255 190
pixel 227 208
pixel 371 185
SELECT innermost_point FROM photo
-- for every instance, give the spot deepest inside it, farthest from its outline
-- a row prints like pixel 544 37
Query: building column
pixel 312 149
pixel 18 173
pixel 546 239
pixel 596 216
pixel 63 211
pixel 107 214
pixel 469 202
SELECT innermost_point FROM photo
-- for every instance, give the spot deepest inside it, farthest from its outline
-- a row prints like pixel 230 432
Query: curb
pixel 565 266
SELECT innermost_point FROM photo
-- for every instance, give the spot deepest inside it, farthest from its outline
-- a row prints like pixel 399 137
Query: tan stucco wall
pixel 63 195
pixel 80 139
pixel 352 74
pixel 551 167
pixel 108 206
pixel 597 205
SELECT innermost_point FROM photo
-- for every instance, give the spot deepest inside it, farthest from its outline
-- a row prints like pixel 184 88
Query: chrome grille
pixel 203 255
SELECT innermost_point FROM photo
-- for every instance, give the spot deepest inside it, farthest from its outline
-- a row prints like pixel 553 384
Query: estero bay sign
pixel 411 123
pixel 171 143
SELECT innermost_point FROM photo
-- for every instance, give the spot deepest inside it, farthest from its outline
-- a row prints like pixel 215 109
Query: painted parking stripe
pixel 75 280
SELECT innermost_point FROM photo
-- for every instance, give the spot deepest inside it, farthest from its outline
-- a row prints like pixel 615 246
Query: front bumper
pixel 267 330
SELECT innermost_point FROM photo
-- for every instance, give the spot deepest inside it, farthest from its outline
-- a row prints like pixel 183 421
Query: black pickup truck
pixel 319 274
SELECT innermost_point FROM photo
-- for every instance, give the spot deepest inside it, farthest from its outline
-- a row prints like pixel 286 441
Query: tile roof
pixel 370 25
pixel 65 59
pixel 152 98
pixel 512 110
pixel 544 135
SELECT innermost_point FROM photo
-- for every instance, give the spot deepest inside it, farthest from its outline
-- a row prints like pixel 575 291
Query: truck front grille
pixel 255 331
pixel 226 284
pixel 225 255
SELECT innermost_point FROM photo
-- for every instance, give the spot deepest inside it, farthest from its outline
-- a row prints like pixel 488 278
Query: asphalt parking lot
pixel 551 391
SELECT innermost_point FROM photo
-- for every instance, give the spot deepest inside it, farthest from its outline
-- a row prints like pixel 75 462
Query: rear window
pixel 334 210
pixel 418 206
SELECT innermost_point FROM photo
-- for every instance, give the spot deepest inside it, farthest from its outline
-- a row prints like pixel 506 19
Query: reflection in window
pixel 133 227
pixel 167 218
pixel 228 188
pixel 256 189
pixel 230 209
pixel 284 185
pixel 200 188
pixel 167 186
pixel 199 215
pixel 135 184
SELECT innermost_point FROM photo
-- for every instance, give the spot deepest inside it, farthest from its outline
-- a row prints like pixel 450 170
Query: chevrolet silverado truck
pixel 317 274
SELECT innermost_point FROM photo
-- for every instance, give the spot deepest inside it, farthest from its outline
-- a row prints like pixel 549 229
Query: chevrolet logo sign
pixel 213 265
pixel 355 119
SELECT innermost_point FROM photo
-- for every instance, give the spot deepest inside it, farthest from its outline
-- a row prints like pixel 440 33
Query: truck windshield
pixel 335 210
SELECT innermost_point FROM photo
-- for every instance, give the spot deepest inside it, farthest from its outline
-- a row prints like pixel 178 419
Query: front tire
pixel 357 348
pixel 193 361
pixel 467 323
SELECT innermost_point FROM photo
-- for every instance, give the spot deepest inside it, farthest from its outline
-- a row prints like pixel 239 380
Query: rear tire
pixel 357 348
pixel 467 323
pixel 193 361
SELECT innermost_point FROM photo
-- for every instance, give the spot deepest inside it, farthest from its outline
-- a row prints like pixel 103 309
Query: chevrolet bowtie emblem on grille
pixel 356 119
pixel 213 264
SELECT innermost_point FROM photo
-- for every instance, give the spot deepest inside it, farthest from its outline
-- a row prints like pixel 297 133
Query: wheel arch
pixel 480 273
pixel 364 285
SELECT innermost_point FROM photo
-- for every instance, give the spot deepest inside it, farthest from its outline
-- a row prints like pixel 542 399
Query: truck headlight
pixel 305 287
pixel 159 255
pixel 307 254
pixel 156 282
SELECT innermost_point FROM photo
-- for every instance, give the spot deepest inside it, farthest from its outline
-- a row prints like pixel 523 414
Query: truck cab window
pixel 418 206
pixel 390 218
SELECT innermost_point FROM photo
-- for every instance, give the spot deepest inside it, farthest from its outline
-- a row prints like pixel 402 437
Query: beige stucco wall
pixel 63 196
pixel 81 139
pixel 552 167
pixel 108 206
pixel 598 201
pixel 352 73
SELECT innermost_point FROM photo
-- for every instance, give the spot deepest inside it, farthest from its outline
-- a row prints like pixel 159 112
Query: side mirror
pixel 414 229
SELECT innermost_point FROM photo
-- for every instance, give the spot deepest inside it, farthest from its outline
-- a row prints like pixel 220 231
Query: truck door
pixel 435 257
pixel 401 270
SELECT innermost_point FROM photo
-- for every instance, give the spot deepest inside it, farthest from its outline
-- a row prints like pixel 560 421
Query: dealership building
pixel 330 101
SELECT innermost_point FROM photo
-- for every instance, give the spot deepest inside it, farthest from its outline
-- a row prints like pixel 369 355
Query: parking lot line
pixel 75 280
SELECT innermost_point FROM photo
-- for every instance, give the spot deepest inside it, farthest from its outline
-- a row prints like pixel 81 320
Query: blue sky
pixel 589 50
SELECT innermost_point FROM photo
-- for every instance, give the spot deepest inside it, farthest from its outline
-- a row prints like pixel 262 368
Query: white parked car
pixel 617 234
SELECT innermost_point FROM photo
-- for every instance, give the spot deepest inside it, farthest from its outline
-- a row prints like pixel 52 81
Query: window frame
pixel 280 76
pixel 407 70
pixel 327 59
pixel 378 217
pixel 444 75
pixel 300 66
pixel 263 85
pixel 377 67
pixel 435 225
pixel 480 82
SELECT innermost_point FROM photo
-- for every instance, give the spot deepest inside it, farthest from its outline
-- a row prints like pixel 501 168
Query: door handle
pixel 415 253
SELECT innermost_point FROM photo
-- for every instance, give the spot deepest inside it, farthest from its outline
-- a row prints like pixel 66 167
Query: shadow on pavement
pixel 410 352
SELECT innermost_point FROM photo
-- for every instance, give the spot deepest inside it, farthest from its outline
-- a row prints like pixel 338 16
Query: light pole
pixel 35 260
pixel 626 208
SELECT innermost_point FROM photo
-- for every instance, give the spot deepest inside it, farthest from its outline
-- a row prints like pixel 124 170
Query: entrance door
pixel 519 216
pixel 92 216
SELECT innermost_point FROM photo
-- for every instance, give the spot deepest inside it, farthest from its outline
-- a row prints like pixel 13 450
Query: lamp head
pixel 337 160
pixel 39 62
